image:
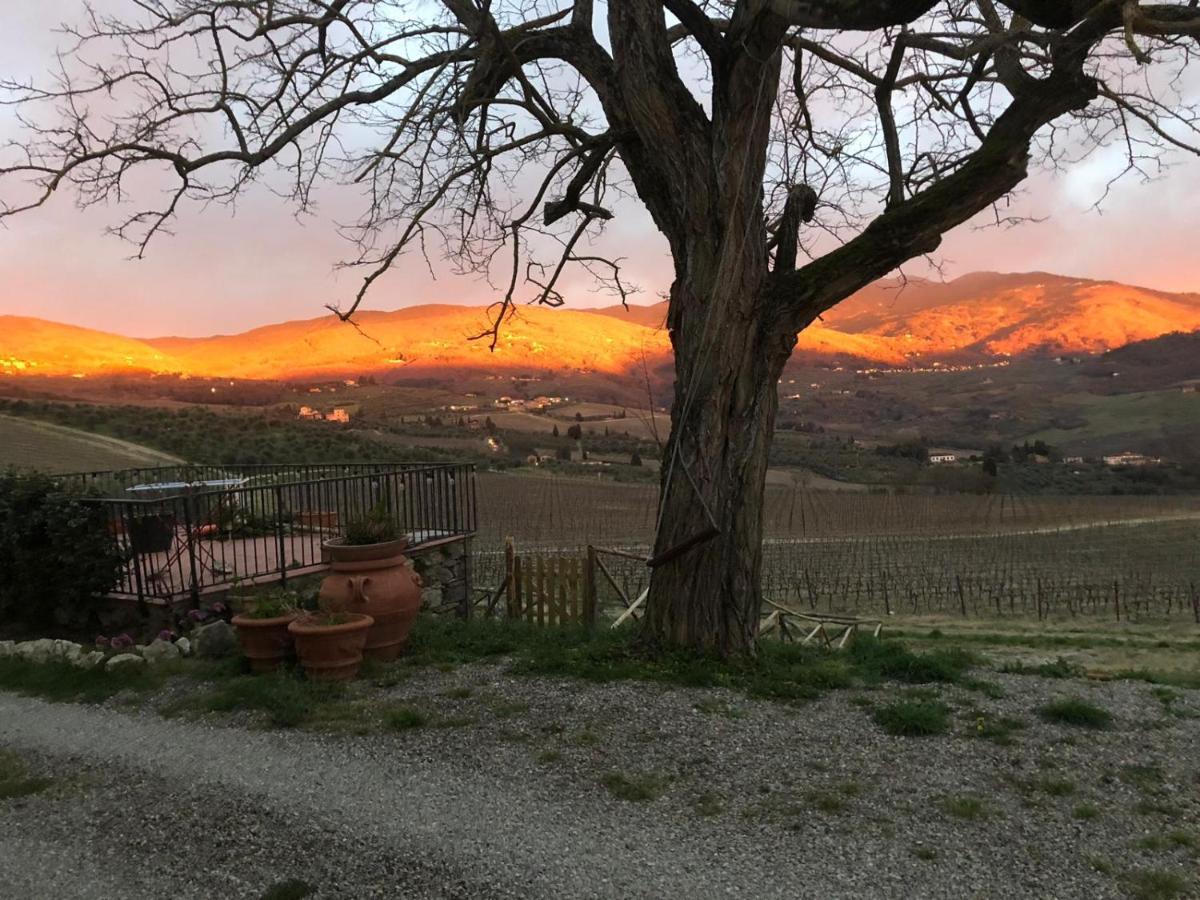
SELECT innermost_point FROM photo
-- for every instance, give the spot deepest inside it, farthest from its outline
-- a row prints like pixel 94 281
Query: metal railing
pixel 187 530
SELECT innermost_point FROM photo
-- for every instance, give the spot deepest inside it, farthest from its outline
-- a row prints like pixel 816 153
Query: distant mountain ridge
pixel 978 317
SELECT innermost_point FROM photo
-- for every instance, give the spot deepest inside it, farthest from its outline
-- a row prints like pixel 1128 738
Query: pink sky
pixel 223 272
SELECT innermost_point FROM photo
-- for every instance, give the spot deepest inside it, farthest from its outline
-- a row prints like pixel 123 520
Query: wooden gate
pixel 550 590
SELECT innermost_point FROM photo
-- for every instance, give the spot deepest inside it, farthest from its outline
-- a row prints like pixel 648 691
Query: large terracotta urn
pixel 374 579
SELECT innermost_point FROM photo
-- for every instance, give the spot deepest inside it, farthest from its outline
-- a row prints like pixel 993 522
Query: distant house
pixel 943 458
pixel 1129 458
pixel 1073 460
pixel 307 412
pixel 338 415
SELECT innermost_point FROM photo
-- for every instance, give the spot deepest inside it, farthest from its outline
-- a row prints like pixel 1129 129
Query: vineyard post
pixel 1117 599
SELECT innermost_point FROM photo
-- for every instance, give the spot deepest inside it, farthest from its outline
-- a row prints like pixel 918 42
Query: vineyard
pixel 1042 557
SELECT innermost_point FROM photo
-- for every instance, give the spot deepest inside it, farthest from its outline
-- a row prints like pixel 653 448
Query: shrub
pixel 56 554
pixel 1073 711
pixel 375 527
pixel 913 718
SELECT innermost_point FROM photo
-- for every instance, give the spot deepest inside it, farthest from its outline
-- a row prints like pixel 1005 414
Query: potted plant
pixel 330 643
pixel 369 574
pixel 262 628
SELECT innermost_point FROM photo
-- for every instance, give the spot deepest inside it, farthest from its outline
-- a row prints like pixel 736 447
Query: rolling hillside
pixel 979 317
pixel 29 444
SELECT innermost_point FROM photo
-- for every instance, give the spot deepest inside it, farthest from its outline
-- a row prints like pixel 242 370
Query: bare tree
pixel 790 151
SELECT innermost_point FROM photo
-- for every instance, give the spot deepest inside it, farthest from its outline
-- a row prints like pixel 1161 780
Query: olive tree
pixel 789 151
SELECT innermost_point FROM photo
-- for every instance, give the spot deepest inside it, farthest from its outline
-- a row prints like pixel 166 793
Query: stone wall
pixel 445 571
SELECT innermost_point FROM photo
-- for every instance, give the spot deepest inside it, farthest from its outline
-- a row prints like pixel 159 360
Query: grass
pixel 780 671
pixel 1085 811
pixel 62 682
pixel 634 788
pixel 1154 884
pixel 546 757
pixel 708 804
pixel 963 807
pixel 287 699
pixel 1060 668
pixel 15 780
pixel 1077 712
pixel 928 854
pixel 913 718
pixel 404 718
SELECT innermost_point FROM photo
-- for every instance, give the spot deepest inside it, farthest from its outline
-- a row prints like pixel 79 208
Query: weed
pixel 709 804
pixel 1060 668
pixel 1153 884
pixel 586 738
pixel 634 788
pixel 714 707
pixel 287 699
pixel 505 709
pixel 926 853
pixel 15 780
pixel 998 729
pixel 404 718
pixel 546 757
pixel 963 807
pixel 1101 864
pixel 1085 811
pixel 1057 787
pixel 913 718
pixel 1142 777
pixel 827 802
pixel 459 693
pixel 1076 711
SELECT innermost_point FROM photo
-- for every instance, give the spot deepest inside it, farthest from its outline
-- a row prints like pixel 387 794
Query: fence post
pixel 279 534
pixel 190 538
pixel 513 572
pixel 589 587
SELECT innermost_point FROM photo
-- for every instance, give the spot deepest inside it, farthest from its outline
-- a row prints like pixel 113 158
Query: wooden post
pixel 589 588
pixel 512 577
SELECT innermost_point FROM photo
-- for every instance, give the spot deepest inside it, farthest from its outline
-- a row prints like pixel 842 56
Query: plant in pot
pixel 330 642
pixel 262 628
pixel 370 574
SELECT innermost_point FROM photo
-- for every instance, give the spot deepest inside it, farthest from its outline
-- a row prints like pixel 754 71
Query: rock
pixel 215 640
pixel 68 650
pixel 139 649
pixel 457 550
pixel 39 651
pixel 161 651
pixel 125 662
pixel 8 648
pixel 185 646
pixel 431 597
pixel 88 660
pixel 438 575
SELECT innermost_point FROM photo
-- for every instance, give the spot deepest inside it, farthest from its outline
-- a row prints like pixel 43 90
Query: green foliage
pixel 271 604
pixel 913 718
pixel 1153 884
pixel 404 718
pixel 15 780
pixel 286 699
pixel 374 527
pixel 963 807
pixel 60 681
pixel 786 672
pixel 56 554
pixel 1074 711
pixel 1060 668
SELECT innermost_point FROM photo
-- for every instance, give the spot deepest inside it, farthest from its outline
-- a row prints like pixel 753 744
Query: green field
pixel 55 448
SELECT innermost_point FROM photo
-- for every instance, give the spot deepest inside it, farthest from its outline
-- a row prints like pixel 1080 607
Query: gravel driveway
pixel 508 798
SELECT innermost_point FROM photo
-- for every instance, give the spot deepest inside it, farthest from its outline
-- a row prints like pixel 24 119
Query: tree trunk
pixel 706 593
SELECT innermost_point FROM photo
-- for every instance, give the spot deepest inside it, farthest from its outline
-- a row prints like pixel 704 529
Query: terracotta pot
pixel 373 579
pixel 265 642
pixel 331 652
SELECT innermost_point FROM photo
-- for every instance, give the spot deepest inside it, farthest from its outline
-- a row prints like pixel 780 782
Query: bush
pixel 1074 711
pixel 914 718
pixel 56 554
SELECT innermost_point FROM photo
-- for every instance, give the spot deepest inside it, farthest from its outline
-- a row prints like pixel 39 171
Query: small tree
pixel 554 432
pixel 635 458
pixel 575 433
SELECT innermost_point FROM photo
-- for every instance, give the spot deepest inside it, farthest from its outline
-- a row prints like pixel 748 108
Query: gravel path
pixel 506 799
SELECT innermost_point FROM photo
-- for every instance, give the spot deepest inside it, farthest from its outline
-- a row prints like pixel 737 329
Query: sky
pixel 226 270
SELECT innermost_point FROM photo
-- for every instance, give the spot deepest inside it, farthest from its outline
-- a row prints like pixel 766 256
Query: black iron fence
pixel 186 530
